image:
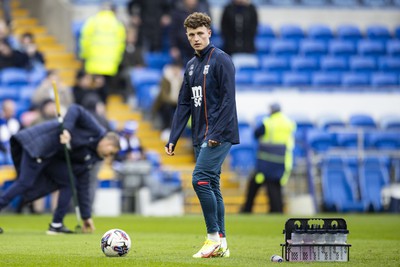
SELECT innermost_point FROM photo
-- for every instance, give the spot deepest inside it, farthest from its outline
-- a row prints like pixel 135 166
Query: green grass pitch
pixel 171 241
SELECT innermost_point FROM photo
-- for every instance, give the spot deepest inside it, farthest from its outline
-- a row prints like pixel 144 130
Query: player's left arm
pixel 226 84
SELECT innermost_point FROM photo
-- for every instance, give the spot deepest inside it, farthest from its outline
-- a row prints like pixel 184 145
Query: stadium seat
pixel 274 63
pixel 376 3
pixel 329 121
pixel 245 61
pixel 333 64
pixel 157 60
pixel 265 30
pixel 243 159
pixel 265 78
pixel 325 79
pixel 349 32
pixel 26 93
pixel 390 122
pixel 283 2
pixel 397 29
pixel 362 120
pixel 339 191
pixel 311 47
pixel 303 64
pixel 291 31
pixel 145 76
pixel 262 44
pixel 393 48
pixel 354 79
pixel 146 94
pixel 244 77
pixel 347 139
pixel 384 140
pixel 295 79
pixel 319 141
pixel 345 3
pixel 362 64
pixel 283 47
pixel 314 2
pixel 14 76
pixel 378 32
pixel 390 64
pixel 8 92
pixel 371 48
pixel 320 32
pixel 246 133
pixel 339 47
pixel 372 181
pixel 382 79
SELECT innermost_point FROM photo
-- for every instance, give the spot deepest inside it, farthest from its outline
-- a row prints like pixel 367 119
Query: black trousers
pixel 274 193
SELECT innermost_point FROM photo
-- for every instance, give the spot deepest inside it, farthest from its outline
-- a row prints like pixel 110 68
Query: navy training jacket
pixel 208 96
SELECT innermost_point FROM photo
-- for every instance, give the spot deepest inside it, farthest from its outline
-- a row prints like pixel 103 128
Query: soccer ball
pixel 115 243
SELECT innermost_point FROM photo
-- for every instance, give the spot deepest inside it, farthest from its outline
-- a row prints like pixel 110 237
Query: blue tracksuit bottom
pixel 206 183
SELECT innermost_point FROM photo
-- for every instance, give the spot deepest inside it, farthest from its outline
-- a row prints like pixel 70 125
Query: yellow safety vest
pixel 102 43
pixel 279 130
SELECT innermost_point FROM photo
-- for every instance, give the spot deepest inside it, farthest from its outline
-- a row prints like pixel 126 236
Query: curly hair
pixel 196 20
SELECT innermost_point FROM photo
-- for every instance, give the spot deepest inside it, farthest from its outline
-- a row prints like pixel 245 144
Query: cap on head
pixel 275 107
pixel 130 127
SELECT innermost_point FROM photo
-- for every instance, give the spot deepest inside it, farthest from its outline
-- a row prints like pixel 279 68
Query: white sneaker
pixel 222 253
pixel 207 249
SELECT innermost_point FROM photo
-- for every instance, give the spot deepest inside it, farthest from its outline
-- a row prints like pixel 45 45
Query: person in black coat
pixel 239 27
pixel 39 159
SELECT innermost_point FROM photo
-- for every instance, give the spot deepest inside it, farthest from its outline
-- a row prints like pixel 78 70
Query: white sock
pixel 214 237
pixel 224 243
pixel 56 225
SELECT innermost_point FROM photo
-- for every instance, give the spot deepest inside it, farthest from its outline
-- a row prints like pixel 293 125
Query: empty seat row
pixel 21 77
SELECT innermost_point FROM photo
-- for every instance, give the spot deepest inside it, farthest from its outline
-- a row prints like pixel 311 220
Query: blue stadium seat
pixel 146 94
pixel 339 191
pixel 26 93
pixel 8 92
pixel 384 140
pixel 301 64
pixel 36 76
pixel 320 32
pixel 362 120
pixel 372 180
pixel 244 77
pixel 390 64
pixel 262 44
pixel 347 139
pixel 381 79
pixel 245 61
pixel 157 60
pixel 390 122
pixel 14 76
pixel 295 79
pixel 371 48
pixel 291 31
pixel 378 32
pixel 354 79
pixel 315 2
pixel 333 64
pixel 397 29
pixel 362 64
pixel 265 30
pixel 319 140
pixel 376 3
pixel 349 32
pixel 339 47
pixel 311 47
pixel 393 48
pixel 265 78
pixel 145 76
pixel 243 159
pixel 274 63
pixel 325 79
pixel 329 121
pixel 283 2
pixel 345 3
pixel 284 47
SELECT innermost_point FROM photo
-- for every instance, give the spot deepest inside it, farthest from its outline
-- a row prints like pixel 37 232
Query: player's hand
pixel 169 149
pixel 65 137
pixel 88 226
pixel 213 143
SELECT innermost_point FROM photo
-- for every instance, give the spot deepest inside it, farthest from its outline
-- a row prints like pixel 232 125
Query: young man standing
pixel 208 96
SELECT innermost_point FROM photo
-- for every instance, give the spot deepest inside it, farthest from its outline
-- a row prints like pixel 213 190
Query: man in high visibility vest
pixel 274 159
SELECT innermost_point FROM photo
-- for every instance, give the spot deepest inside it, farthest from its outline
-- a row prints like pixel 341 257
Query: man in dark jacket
pixel 239 27
pixel 208 96
pixel 39 159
